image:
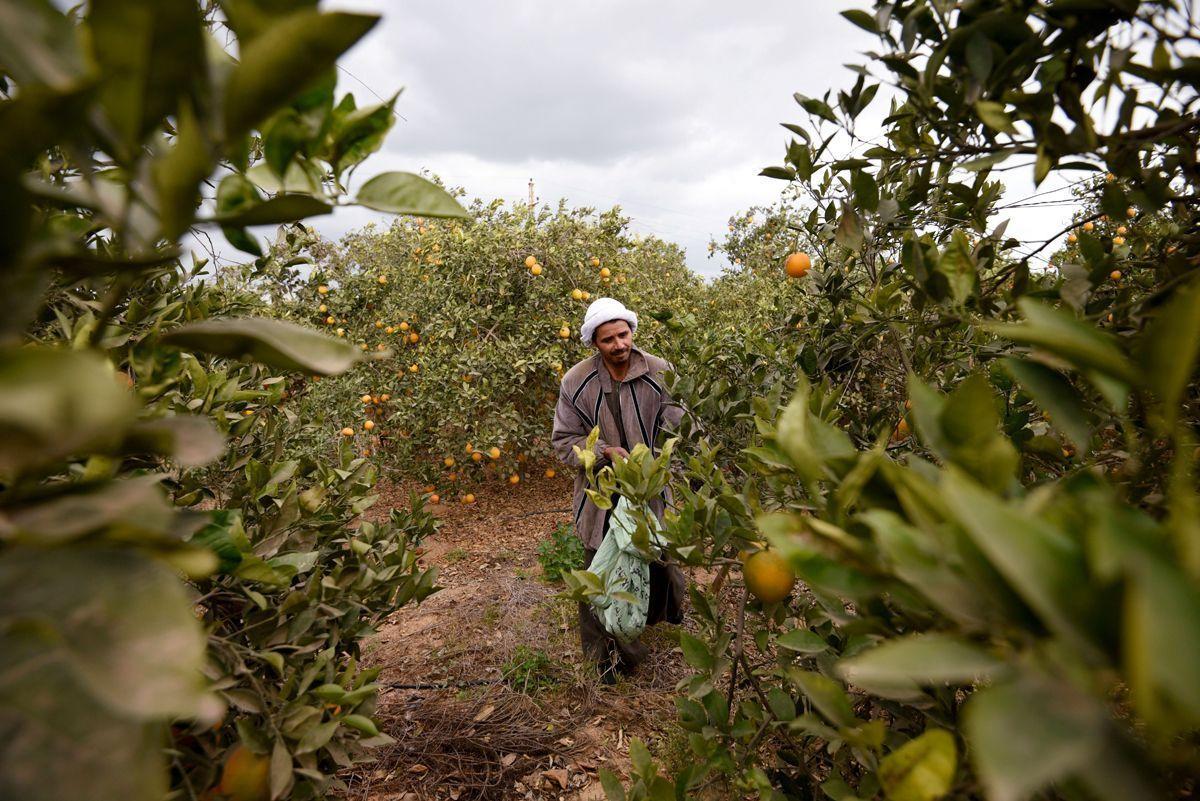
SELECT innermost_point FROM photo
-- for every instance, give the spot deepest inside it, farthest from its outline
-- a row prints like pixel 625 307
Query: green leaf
pixel 178 174
pixel 1054 394
pixel 995 116
pixel 121 623
pixel 695 652
pixel 361 133
pixel 920 659
pixel 275 211
pixel 1042 564
pixel 283 139
pixel 316 737
pixel 826 695
pixel 862 19
pixel 922 769
pixel 273 342
pixel 284 60
pixel 612 785
pixel 190 440
pixel 802 641
pixel 1060 333
pixel 849 233
pixel 405 193
pixel 1027 735
pixel 361 723
pixel 282 777
pixel 131 509
pixel 151 55
pixel 38 45
pixel 56 403
pixel 958 266
pixel 639 756
pixel 1169 349
pixel 810 442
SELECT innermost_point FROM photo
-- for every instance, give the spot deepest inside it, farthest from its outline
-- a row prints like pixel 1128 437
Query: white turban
pixel 605 310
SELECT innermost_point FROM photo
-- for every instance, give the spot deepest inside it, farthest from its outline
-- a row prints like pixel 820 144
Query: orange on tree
pixel 902 430
pixel 322 308
pixel 383 279
pixel 514 479
pixel 494 452
pixel 564 332
pixel 330 321
pixel 404 326
pixel 385 397
pixel 1131 212
pixel 549 472
pixel 576 294
pixel 1072 238
pixel 414 337
pixel 434 498
pixel 477 456
pixel 366 399
pixel 1122 230
pixel 448 461
pixel 768 576
pixel 370 424
pixel 530 261
pixel 536 269
pixel 797 265
pixel 1115 275
pixel 412 368
pixel 605 272
pixel 1089 225
pixel 1118 240
pixel 347 432
pixel 246 776
pixel 323 290
pixel 468 498
pixel 379 323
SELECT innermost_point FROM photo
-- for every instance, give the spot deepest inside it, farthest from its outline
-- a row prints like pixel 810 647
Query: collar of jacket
pixel 637 367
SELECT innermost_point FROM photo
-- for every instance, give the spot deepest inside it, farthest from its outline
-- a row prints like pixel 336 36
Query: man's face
pixel 614 340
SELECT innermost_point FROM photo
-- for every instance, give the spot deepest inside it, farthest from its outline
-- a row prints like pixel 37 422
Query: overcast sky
pixel 667 108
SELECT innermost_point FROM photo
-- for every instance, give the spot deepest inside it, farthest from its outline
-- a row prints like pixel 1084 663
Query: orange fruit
pixel 383 279
pixel 379 323
pixel 494 452
pixel 536 269
pixel 1115 275
pixel 605 272
pixel 322 308
pixel 1131 212
pixel 412 368
pixel 246 776
pixel 452 477
pixel 323 290
pixel 341 332
pixel 549 472
pixel 434 498
pixel 404 326
pixel 330 321
pixel 576 294
pixel 468 498
pixel 369 425
pixel 768 576
pixel 347 432
pixel 448 461
pixel 414 337
pixel 366 399
pixel 901 429
pixel 564 332
pixel 514 479
pixel 595 262
pixel 1072 239
pixel 1122 230
pixel 530 261
pixel 1089 225
pixel 389 330
pixel 1118 240
pixel 797 265
pixel 385 397
pixel 477 456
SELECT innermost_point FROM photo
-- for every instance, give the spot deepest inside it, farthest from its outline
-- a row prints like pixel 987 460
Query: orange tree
pixel 482 316
pixel 181 599
pixel 997 549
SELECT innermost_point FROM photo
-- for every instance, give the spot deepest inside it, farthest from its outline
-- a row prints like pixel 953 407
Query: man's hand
pixel 613 451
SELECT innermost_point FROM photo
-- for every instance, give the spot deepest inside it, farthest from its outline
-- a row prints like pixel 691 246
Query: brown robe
pixel 646 412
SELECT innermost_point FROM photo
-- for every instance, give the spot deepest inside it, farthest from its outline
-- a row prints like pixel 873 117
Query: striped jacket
pixel 645 408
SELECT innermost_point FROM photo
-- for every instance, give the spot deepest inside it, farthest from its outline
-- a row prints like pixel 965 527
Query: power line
pixel 372 91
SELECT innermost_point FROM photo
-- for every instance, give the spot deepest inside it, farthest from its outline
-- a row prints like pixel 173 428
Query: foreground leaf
pixel 272 342
pixel 405 193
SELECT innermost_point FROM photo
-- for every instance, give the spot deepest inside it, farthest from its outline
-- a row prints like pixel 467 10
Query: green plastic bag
pixel 623 607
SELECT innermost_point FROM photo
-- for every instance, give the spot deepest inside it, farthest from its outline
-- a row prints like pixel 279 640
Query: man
pixel 620 389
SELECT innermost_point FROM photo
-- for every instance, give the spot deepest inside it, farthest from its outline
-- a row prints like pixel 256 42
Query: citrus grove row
pixel 939 474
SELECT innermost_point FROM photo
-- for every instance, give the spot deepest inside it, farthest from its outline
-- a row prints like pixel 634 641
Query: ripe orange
pixel 536 269
pixel 901 429
pixel 452 477
pixel 595 262
pixel 1118 240
pixel 448 461
pixel 434 498
pixel 1115 275
pixel 605 272
pixel 365 399
pixel 1089 225
pixel 549 472
pixel 404 326
pixel 341 332
pixel 412 368
pixel 564 332
pixel 1131 212
pixel 347 432
pixel 414 337
pixel 768 576
pixel 383 279
pixel 322 308
pixel 379 323
pixel 323 290
pixel 494 452
pixel 477 456
pixel 797 265
pixel 576 294
pixel 330 321
pixel 389 330
pixel 1072 239
pixel 385 397
pixel 1122 230
pixel 468 498
pixel 369 425
pixel 530 261
pixel 246 776
pixel 514 479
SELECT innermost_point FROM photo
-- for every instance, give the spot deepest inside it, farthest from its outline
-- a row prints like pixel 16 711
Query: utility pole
pixel 531 193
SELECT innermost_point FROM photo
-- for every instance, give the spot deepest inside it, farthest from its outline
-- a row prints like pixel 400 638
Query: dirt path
pixel 487 693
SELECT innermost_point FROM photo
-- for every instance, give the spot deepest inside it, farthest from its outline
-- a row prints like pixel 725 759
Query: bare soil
pixel 487 693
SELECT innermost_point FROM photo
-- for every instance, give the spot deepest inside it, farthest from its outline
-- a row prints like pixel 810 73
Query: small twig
pixel 738 653
pixel 448 685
